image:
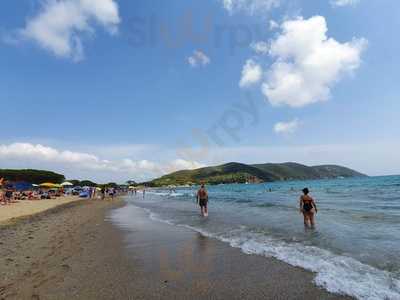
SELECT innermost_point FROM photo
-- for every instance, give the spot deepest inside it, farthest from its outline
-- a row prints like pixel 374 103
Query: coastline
pixel 74 252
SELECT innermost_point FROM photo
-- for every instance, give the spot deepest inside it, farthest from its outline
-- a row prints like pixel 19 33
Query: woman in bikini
pixel 308 208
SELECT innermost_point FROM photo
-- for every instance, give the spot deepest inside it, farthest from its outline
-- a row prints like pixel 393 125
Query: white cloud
pixel 59 24
pixel 43 153
pixel 250 6
pixel 286 127
pixel 181 164
pixel 251 74
pixel 80 164
pixel 344 2
pixel 307 63
pixel 273 25
pixel 198 58
pixel 260 47
pixel 374 159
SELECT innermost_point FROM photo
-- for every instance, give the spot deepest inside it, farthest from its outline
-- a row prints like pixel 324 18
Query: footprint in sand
pixel 66 267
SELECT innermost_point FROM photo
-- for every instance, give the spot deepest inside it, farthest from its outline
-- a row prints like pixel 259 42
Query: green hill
pixel 241 173
pixel 295 171
pixel 31 176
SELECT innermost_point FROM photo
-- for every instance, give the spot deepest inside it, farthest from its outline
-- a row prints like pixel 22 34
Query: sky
pixel 116 90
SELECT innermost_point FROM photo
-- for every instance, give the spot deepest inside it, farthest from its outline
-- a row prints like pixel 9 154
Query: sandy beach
pixel 74 252
pixel 21 209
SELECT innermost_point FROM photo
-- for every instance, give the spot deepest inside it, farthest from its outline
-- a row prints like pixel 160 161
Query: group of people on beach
pixel 107 192
pixel 134 192
pixel 307 205
pixel 9 195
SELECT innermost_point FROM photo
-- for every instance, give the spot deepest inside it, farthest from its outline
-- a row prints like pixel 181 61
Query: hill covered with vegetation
pixel 242 173
pixel 31 176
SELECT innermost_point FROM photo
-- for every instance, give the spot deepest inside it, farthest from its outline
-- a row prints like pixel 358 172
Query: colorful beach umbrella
pixel 67 184
pixel 49 185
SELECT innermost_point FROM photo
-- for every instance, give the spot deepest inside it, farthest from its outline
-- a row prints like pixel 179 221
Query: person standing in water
pixel 308 208
pixel 202 200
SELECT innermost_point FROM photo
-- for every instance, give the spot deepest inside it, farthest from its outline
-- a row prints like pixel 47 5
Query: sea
pixel 354 249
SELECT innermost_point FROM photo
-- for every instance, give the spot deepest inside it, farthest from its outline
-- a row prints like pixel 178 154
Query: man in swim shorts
pixel 202 200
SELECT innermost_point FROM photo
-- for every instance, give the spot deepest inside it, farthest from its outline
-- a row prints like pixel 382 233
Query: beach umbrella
pixel 23 186
pixel 49 185
pixel 67 184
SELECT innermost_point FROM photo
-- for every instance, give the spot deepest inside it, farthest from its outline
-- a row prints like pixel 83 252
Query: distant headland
pixel 243 173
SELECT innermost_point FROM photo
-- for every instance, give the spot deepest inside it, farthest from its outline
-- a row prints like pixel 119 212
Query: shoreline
pixel 75 252
pixel 191 265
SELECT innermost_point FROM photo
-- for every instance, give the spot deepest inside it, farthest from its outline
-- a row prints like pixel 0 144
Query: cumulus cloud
pixel 25 155
pixel 307 63
pixel 273 25
pixel 251 74
pixel 260 47
pixel 344 2
pixel 286 127
pixel 198 58
pixel 60 23
pixel 43 153
pixel 250 6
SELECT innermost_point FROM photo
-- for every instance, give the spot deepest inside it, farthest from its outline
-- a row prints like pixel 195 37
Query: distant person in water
pixel 308 208
pixel 202 200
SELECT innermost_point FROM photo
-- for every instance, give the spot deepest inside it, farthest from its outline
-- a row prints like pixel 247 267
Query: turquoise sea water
pixel 354 250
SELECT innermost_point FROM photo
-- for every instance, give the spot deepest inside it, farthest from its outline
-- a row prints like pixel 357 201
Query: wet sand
pixel 74 252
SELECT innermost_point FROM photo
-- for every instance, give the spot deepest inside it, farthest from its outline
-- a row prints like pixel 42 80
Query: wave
pixel 266 205
pixel 159 193
pixel 336 273
pixel 170 194
pixel 244 201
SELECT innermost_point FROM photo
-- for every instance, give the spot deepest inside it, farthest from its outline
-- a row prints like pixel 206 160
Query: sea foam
pixel 335 273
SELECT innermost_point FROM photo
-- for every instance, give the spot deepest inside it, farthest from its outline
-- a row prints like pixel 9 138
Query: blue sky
pixel 95 88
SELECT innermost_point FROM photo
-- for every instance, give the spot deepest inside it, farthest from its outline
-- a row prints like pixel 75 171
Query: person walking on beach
pixel 8 195
pixel 308 208
pixel 111 193
pixel 202 200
